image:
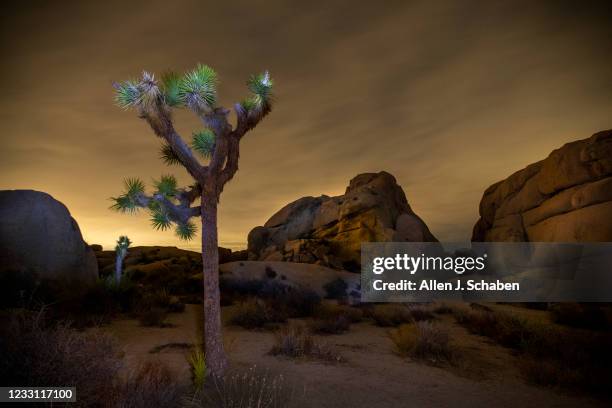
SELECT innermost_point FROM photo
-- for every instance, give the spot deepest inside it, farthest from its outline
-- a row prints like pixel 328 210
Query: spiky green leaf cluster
pixel 127 202
pixel 186 231
pixel 123 243
pixel 166 185
pixel 198 88
pixel 127 94
pixel 160 219
pixel 170 87
pixel 261 86
pixel 168 155
pixel 204 142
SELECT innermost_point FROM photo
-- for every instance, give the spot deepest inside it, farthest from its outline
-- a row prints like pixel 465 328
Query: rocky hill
pixel 329 230
pixel 566 197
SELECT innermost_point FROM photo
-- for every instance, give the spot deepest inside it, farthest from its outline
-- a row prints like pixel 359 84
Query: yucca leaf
pixel 261 86
pixel 167 154
pixel 249 104
pixel 204 142
pixel 198 88
pixel 123 243
pixel 133 186
pixel 127 94
pixel 160 220
pixel 186 231
pixel 149 91
pixel 124 204
pixel 170 85
pixel 166 185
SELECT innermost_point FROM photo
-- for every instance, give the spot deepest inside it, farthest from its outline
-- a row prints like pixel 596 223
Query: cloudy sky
pixel 449 97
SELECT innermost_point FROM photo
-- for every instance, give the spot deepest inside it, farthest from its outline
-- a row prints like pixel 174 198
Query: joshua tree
pixel 120 251
pixel 218 143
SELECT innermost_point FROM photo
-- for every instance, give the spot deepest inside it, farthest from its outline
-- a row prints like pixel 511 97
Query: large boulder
pixel 566 197
pixel 40 239
pixel 329 230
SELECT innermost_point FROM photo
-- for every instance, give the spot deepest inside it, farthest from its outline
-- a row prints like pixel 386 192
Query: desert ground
pixel 372 373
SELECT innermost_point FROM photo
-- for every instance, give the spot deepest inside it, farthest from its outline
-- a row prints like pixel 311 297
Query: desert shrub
pixel 293 301
pixel 336 289
pixel 270 272
pixel 255 313
pixel 390 315
pixel 330 310
pixel 420 313
pixel 331 325
pixel 442 308
pixel 576 360
pixel 424 340
pixel 150 385
pixel 245 389
pixel 507 329
pixel 296 342
pixel 35 352
pixel 153 317
pixel 585 316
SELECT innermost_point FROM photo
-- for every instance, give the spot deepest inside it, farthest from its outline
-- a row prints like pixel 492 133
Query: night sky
pixel 449 97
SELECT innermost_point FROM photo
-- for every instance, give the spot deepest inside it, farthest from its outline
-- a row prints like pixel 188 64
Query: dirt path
pixel 373 375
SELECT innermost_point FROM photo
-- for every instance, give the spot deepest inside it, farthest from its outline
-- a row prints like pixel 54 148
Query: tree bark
pixel 216 360
pixel 118 267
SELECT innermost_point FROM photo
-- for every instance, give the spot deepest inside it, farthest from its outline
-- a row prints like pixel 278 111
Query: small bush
pixel 420 313
pixel 293 301
pixel 585 316
pixel 442 308
pixel 423 340
pixel 255 313
pixel 153 317
pixel 245 389
pixel 151 385
pixel 330 325
pixel 329 310
pixel 390 315
pixel 295 342
pixel 336 289
pixel 175 305
pixel 550 355
pixel 270 272
pixel 35 352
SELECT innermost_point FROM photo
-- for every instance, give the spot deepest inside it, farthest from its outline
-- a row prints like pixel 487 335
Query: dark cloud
pixel 448 96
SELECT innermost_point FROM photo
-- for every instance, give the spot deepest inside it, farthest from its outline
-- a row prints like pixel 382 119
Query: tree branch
pixel 160 120
pixel 177 213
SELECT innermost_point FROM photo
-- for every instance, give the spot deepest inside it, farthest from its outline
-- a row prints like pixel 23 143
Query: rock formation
pixel 38 237
pixel 329 230
pixel 566 197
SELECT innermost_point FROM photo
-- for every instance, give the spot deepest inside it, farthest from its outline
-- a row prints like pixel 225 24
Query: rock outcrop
pixel 38 237
pixel 159 258
pixel 566 197
pixel 329 230
pixel 300 275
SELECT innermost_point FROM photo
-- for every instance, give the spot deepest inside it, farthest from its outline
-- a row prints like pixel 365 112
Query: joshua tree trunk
pixel 215 354
pixel 118 267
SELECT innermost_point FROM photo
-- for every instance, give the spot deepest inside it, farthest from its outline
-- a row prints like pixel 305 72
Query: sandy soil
pixel 372 376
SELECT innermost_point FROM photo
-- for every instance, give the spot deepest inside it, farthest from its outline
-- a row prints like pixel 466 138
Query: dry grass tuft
pixel 246 389
pixel 423 340
pixel 296 342
pixel 255 313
